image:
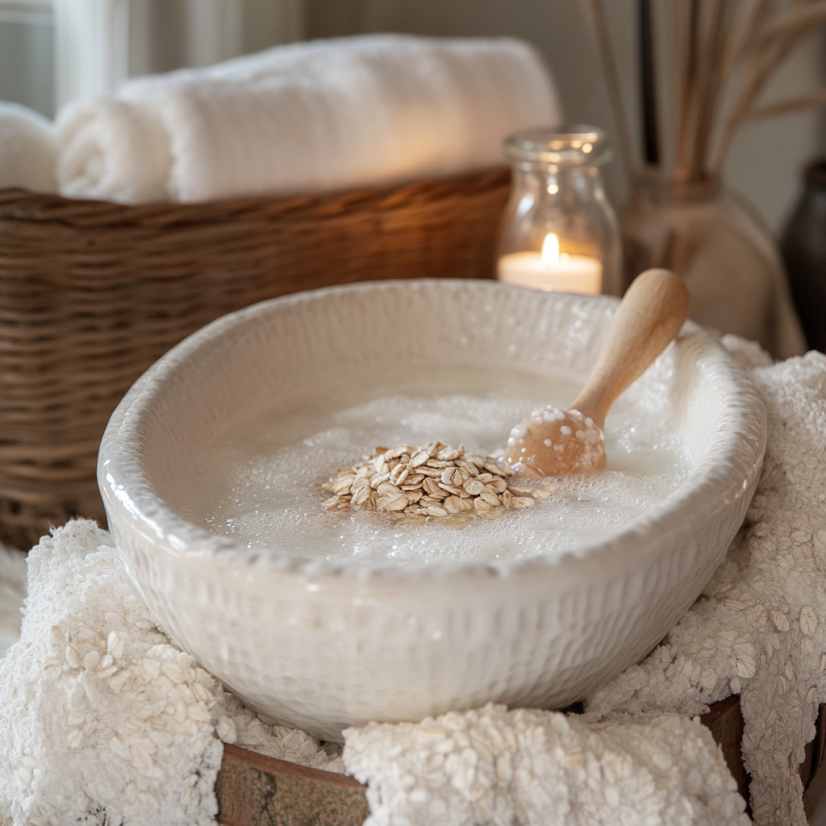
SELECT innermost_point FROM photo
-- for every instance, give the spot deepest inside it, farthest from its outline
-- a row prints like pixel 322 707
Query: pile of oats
pixel 432 481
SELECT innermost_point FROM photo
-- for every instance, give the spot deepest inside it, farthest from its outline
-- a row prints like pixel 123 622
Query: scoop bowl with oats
pixel 427 576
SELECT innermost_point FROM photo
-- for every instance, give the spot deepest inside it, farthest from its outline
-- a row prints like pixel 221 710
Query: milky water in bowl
pixel 272 468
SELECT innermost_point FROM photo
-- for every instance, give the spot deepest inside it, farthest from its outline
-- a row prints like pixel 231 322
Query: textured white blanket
pixel 760 628
pixel 539 768
pixel 103 720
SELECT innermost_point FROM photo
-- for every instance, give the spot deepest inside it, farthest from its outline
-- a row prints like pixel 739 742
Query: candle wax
pixel 566 273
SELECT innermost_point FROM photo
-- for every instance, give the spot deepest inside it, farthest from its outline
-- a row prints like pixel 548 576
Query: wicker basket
pixel 91 293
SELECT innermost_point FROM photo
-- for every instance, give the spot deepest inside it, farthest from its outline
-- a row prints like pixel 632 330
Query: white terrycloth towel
pixel 28 150
pixel 307 117
pixel 760 628
pixel 95 702
pixel 104 721
pixel 536 768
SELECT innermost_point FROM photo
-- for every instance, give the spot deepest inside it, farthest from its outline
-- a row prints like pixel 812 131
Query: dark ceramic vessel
pixel 804 251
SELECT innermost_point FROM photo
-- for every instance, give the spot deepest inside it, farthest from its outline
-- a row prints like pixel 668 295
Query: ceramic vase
pixel 719 244
pixel 804 253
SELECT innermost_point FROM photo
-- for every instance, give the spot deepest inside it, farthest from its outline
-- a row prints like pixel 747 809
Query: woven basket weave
pixel 91 293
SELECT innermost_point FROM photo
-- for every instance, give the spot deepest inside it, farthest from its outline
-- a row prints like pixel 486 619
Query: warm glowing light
pixel 550 249
pixel 550 269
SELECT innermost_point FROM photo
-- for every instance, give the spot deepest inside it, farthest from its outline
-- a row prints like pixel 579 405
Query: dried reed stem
pixel 708 90
pixel 675 68
pixel 794 24
pixel 719 42
pixel 610 70
pixel 760 68
pixel 688 93
pixel 740 43
pixel 785 107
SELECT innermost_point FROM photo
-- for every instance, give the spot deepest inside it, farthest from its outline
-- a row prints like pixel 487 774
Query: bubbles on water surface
pixel 272 501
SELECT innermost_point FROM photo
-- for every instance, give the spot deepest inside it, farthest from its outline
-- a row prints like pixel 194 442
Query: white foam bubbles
pixel 272 501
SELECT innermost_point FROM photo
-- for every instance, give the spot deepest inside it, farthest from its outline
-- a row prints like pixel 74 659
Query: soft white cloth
pixel 307 117
pixel 28 150
pixel 540 768
pixel 760 628
pixel 102 721
pixel 85 736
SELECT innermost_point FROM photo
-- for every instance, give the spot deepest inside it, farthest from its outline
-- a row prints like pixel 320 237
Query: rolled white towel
pixel 28 153
pixel 308 117
pixel 113 150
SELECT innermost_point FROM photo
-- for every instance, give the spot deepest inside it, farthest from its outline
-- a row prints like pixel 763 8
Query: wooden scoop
pixel 553 441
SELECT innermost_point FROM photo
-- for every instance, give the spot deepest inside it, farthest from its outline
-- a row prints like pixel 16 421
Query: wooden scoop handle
pixel 648 319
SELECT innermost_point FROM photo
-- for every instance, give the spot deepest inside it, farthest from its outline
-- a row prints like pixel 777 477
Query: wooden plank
pixel 254 790
pixel 725 721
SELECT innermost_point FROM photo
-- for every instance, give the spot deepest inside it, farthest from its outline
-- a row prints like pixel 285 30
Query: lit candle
pixel 552 269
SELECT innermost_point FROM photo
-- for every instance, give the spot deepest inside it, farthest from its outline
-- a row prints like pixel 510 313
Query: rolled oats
pixel 416 483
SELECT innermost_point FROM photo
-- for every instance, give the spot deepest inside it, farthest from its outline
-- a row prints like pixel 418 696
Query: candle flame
pixel 550 249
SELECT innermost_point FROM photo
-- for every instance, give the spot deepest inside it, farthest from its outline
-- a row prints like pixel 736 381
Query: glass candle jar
pixel 559 230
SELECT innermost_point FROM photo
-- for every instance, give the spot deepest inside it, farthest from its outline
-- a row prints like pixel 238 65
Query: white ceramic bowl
pixel 323 645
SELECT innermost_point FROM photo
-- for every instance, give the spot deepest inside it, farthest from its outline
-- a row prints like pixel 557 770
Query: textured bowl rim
pixel 121 474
